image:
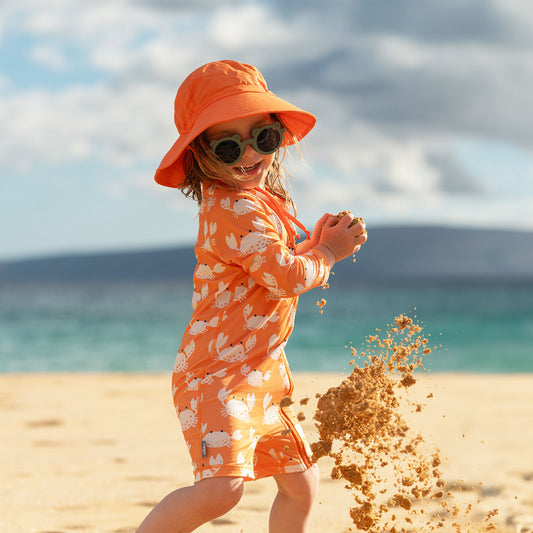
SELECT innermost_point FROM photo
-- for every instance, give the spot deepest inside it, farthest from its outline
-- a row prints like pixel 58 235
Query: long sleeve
pixel 255 239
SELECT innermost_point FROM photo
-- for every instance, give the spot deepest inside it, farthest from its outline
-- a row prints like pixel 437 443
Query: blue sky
pixel 423 112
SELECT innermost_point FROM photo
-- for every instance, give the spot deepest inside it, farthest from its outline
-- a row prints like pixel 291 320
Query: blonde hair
pixel 202 166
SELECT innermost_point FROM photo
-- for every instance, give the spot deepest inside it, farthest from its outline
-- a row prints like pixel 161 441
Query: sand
pixel 94 453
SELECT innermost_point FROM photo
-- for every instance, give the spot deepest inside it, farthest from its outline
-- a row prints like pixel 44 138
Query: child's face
pixel 253 168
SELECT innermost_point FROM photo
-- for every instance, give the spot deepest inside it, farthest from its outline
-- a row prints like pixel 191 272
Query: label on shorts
pixel 204 448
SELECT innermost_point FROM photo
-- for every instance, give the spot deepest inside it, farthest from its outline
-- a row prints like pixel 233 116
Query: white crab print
pixel 310 276
pixel 274 292
pixel 277 222
pixel 254 378
pixel 222 296
pixel 292 315
pixel 183 356
pixel 209 378
pixel 194 383
pixel 254 241
pixel 277 456
pixel 232 353
pixel 200 326
pixel 242 290
pixel 284 375
pixel 271 410
pixel 198 296
pixel 275 348
pixel 209 232
pixel 204 271
pixel 188 416
pixel 219 439
pixel 257 262
pixel 236 407
pixel 246 469
pixel 207 202
pixel 242 206
pixel 285 259
pixel 215 463
pixel 253 322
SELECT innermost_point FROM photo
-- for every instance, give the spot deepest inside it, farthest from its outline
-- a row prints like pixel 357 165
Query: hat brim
pixel 170 172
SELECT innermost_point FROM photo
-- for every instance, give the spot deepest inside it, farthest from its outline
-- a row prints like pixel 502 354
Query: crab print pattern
pixel 231 371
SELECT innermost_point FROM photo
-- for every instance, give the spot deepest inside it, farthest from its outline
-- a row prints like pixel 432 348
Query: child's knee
pixel 302 486
pixel 312 477
pixel 223 493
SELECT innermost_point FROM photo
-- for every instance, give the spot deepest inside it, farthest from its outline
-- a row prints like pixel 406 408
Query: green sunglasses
pixel 265 140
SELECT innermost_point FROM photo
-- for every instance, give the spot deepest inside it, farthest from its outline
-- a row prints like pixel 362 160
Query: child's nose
pixel 248 150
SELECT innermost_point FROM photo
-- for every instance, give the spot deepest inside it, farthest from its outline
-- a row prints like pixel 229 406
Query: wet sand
pixel 94 453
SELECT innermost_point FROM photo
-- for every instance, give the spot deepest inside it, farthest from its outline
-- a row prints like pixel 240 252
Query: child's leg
pixel 186 509
pixel 292 506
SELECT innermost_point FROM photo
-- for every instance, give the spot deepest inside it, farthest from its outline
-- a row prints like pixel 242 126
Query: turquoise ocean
pixel 137 326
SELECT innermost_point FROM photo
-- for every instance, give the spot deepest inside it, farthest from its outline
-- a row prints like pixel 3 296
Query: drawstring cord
pixel 282 213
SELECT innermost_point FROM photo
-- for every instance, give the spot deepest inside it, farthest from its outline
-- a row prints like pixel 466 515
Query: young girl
pixel 231 374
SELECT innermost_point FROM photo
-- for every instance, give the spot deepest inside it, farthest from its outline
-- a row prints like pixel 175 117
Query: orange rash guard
pixel 231 371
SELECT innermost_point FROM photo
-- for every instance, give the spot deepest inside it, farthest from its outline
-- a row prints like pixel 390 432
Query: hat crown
pixel 212 82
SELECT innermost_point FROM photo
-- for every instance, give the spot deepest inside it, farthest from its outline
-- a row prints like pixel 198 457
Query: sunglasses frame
pixel 253 141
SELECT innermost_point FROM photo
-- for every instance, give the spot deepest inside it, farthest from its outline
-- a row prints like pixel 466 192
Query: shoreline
pixel 94 452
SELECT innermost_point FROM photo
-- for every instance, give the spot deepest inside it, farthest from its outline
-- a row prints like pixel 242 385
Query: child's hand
pixel 317 230
pixel 341 238
pixel 314 239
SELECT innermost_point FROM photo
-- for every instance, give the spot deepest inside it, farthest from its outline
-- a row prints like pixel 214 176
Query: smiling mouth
pixel 248 170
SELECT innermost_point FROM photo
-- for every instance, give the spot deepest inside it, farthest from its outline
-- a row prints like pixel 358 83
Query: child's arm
pixel 249 236
pixel 245 233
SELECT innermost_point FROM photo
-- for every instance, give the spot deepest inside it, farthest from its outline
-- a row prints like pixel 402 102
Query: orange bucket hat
pixel 218 92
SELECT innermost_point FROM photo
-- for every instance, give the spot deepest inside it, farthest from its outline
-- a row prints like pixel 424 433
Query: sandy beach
pixel 95 452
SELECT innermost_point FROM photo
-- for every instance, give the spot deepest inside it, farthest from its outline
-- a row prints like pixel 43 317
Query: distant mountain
pixel 445 254
pixel 169 263
pixel 392 254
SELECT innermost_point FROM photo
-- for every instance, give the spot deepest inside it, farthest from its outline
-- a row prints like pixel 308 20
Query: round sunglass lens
pixel 228 151
pixel 268 139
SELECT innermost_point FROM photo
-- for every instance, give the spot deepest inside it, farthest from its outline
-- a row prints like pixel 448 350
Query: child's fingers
pixel 358 228
pixel 319 226
pixel 322 220
pixel 349 228
pixel 348 218
pixel 359 240
pixel 345 220
pixel 330 222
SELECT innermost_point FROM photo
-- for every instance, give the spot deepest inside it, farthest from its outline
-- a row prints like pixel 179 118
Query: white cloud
pixel 96 122
pixel 393 92
pixel 49 56
pixel 237 29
